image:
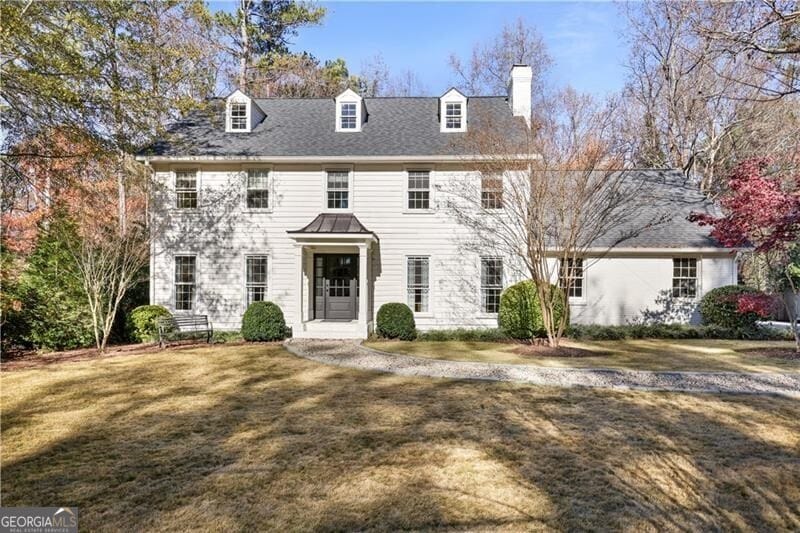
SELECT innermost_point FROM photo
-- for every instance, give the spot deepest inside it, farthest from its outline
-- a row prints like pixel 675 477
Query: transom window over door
pixel 418 279
pixel 185 282
pixel 238 116
pixel 492 191
pixel 186 189
pixel 419 189
pixel 571 278
pixel 684 277
pixel 338 184
pixel 348 116
pixel 258 188
pixel 453 116
pixel 491 284
pixel 256 282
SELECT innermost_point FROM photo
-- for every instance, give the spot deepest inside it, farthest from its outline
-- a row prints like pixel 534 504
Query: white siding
pixel 221 233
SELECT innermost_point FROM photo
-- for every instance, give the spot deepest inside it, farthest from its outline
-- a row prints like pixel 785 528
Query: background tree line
pixel 88 84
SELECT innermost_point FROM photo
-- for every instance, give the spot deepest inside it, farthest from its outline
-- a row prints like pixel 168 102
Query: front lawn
pixel 639 354
pixel 248 438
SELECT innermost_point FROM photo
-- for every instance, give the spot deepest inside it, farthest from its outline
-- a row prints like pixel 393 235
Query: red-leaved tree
pixel 762 211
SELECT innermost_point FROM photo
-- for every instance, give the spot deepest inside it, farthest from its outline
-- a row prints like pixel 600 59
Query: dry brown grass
pixel 639 354
pixel 252 438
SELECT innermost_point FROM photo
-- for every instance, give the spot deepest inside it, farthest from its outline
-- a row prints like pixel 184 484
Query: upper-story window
pixel 238 116
pixel 258 188
pixel 338 189
pixel 684 277
pixel 419 189
pixel 186 189
pixel 453 116
pixel 348 116
pixel 453 112
pixel 492 191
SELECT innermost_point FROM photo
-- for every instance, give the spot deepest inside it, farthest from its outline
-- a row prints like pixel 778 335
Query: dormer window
pixel 348 116
pixel 453 116
pixel 242 114
pixel 350 111
pixel 238 116
pixel 453 112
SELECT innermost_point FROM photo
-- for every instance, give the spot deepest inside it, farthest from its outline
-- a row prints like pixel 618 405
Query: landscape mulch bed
pixel 542 350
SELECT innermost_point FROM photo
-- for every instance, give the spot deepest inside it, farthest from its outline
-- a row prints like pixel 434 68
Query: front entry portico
pixel 333 278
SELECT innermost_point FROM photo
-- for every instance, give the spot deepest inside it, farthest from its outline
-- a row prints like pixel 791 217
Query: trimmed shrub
pixel 462 334
pixel 142 323
pixel 520 315
pixel 396 321
pixel 594 332
pixel 263 321
pixel 719 308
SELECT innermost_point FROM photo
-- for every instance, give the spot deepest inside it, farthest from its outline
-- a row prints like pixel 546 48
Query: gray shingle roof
pixel 670 199
pixel 334 223
pixel 305 127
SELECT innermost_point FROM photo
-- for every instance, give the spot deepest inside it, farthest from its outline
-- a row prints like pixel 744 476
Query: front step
pixel 321 329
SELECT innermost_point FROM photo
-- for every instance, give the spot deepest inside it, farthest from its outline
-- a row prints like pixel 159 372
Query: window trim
pixel 351 192
pixel 230 128
pixel 430 312
pixel 481 311
pixel 174 295
pixel 198 187
pixel 348 96
pixel 431 196
pixel 575 300
pixel 453 96
pixel 270 188
pixel 698 277
pixel 268 292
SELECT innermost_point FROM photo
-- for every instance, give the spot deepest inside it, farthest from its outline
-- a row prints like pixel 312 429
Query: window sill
pixel 424 315
pixel 419 211
pixel 487 315
pixel 257 210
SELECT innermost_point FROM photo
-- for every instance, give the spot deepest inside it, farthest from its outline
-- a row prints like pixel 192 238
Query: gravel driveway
pixel 353 355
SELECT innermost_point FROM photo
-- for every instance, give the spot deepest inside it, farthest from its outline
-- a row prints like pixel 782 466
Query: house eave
pixel 326 159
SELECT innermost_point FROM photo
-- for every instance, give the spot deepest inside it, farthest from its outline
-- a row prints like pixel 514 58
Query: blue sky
pixel 584 38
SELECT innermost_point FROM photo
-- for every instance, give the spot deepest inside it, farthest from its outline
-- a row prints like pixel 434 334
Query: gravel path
pixel 353 355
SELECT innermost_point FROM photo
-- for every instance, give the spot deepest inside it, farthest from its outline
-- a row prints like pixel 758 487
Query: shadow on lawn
pixel 257 439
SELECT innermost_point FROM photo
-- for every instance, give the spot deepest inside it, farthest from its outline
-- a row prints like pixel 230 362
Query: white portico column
pixel 300 307
pixel 363 284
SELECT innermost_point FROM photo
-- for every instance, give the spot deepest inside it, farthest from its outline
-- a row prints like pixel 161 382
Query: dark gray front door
pixel 335 286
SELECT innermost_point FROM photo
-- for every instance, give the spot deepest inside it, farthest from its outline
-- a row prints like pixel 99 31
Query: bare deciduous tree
pixel 566 195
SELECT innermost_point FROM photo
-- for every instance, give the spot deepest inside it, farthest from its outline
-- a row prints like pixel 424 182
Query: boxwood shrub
pixel 263 321
pixel 396 321
pixel 142 322
pixel 718 308
pixel 463 334
pixel 520 315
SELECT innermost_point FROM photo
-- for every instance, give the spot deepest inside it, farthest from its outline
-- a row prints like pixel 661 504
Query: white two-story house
pixel 331 207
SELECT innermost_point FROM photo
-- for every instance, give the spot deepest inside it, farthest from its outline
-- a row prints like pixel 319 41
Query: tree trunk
pixel 244 59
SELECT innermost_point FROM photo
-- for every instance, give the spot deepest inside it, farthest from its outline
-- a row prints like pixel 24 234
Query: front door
pixel 335 286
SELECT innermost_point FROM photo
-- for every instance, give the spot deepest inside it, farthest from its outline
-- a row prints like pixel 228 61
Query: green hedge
pixel 462 334
pixel 263 321
pixel 142 323
pixel 718 308
pixel 520 315
pixel 593 332
pixel 396 321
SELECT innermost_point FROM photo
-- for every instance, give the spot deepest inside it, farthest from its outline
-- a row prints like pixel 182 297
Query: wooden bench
pixel 181 327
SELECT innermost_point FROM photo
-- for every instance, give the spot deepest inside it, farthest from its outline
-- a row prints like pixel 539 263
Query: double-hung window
pixel 453 116
pixel 684 277
pixel 492 191
pixel 348 116
pixel 256 280
pixel 571 278
pixel 419 189
pixel 258 188
pixel 186 189
pixel 338 189
pixel 238 116
pixel 185 282
pixel 491 283
pixel 418 284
